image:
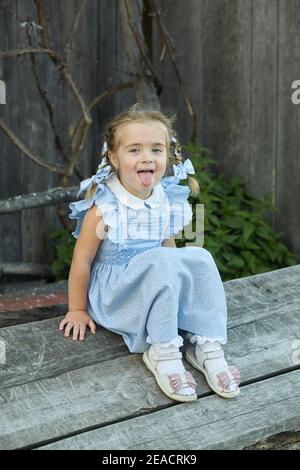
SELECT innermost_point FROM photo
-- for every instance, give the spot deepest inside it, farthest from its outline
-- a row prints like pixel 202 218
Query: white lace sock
pixel 165 366
pixel 212 365
pixel 204 344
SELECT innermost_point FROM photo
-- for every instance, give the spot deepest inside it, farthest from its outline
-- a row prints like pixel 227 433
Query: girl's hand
pixel 78 320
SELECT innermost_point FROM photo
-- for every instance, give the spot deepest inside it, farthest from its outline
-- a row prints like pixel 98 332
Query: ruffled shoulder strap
pixel 102 197
pixel 180 211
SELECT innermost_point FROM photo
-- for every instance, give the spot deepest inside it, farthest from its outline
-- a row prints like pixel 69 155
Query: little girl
pixel 127 274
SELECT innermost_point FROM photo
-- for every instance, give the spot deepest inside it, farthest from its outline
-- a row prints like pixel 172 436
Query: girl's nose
pixel 148 158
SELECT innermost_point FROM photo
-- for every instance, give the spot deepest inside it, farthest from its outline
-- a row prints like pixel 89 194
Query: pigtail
pixel 194 185
pixel 104 161
pixel 176 158
pixel 90 191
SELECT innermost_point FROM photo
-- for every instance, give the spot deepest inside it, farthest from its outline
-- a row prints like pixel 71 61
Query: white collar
pixel 128 199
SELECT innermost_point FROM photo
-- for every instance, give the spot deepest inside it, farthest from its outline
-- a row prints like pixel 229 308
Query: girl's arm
pixel 92 233
pixel 170 242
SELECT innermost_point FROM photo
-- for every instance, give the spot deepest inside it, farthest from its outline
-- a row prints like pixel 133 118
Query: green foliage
pixel 64 245
pixel 236 231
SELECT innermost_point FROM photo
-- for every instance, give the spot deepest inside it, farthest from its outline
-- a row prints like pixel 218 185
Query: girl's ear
pixel 112 159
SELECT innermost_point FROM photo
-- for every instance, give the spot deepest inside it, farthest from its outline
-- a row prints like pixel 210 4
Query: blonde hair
pixel 144 113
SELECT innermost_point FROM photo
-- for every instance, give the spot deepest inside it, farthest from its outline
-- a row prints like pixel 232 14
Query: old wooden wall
pixel 238 59
pixel 97 62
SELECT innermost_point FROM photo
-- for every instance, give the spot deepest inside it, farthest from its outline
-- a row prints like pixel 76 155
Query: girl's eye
pixel 132 150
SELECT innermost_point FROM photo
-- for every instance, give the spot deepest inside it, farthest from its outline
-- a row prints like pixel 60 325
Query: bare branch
pixel 75 91
pixel 168 43
pixel 62 68
pixel 66 51
pixel 81 136
pixel 110 92
pixel 16 141
pixel 43 94
pixel 42 22
pixel 142 46
pixel 28 50
pixel 106 94
pixel 78 139
pixel 135 49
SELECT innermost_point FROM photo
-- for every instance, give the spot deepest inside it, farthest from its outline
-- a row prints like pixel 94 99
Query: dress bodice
pixel 132 222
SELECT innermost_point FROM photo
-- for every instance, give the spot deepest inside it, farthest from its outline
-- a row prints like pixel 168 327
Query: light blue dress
pixel 138 288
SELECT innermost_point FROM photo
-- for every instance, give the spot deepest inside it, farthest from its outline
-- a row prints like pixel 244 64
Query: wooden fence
pixel 238 59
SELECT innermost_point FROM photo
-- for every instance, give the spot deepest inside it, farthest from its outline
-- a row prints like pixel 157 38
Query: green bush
pixel 64 245
pixel 236 232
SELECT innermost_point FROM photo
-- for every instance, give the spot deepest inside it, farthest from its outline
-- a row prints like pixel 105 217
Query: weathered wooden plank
pixel 122 388
pixel 261 410
pixel 8 319
pixel 226 62
pixel 33 200
pixel 281 441
pixel 10 247
pixel 26 269
pixel 253 298
pixel 131 13
pixel 25 236
pixel 112 66
pixel 262 295
pixel 263 96
pixel 24 302
pixel 38 350
pixel 184 27
pixel 33 288
pixel 288 122
pixel 13 288
pixel 33 132
pixel 32 301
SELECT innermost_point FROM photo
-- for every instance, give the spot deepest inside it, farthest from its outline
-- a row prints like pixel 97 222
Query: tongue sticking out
pixel 145 177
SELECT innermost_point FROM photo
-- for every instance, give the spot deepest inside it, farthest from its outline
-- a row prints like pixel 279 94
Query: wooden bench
pixel 61 394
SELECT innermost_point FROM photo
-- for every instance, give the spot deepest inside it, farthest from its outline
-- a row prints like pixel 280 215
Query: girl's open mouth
pixel 145 176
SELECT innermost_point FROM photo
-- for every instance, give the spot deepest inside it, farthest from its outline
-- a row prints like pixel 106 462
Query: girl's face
pixel 142 146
